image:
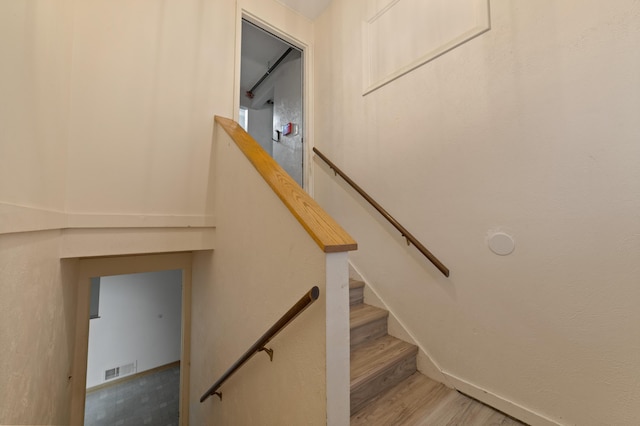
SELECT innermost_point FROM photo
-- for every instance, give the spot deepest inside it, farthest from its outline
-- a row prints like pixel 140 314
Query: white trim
pixel 500 403
pixel 337 339
pixel 15 218
pixel 88 268
pixel 97 220
pixel 93 242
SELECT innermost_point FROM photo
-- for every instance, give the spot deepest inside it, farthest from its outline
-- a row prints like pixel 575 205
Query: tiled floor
pixel 148 400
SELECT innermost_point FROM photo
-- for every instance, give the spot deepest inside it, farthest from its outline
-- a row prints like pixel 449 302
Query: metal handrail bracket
pixel 260 345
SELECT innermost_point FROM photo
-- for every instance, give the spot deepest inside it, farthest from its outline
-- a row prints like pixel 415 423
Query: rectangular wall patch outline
pixel 402 35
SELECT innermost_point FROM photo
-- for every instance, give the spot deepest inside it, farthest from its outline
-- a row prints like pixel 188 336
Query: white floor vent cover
pixel 123 370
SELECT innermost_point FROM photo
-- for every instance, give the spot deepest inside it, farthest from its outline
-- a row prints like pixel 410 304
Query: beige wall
pixel 35 46
pixel 265 261
pixel 37 296
pixel 37 313
pixel 147 79
pixel 530 128
pixel 106 117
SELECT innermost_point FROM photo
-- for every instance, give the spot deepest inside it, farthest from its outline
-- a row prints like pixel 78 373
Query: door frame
pixel 296 30
pixel 120 265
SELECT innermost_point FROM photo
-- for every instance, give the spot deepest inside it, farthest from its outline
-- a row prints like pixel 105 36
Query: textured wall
pixel 530 128
pixel 37 329
pixel 265 261
pixel 37 290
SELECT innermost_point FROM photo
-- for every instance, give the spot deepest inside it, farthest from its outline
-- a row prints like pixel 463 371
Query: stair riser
pixel 356 296
pixel 388 378
pixel 370 331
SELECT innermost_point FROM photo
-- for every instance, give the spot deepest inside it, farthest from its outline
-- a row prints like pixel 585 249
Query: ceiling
pixel 309 8
pixel 260 50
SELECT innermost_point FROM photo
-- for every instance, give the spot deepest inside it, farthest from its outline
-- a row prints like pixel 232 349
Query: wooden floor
pixel 387 389
pixel 420 401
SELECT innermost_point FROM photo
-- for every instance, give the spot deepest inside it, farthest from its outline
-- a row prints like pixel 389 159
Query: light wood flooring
pixel 386 388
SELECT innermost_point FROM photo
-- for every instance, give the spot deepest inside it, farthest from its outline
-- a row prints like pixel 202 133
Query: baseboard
pixel 430 368
pixel 115 382
pixel 500 403
pixel 395 328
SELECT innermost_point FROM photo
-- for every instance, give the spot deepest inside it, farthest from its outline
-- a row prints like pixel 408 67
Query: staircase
pixel 386 388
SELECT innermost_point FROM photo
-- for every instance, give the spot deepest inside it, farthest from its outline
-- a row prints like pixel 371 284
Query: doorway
pixel 271 96
pixel 133 362
pixel 131 273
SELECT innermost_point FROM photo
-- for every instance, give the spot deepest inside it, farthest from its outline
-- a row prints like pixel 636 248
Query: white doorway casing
pixel 120 265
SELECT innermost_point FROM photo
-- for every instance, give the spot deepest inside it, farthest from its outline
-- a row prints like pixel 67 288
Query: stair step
pixel 419 400
pixel 386 388
pixel 378 365
pixel 405 403
pixel 356 292
pixel 366 323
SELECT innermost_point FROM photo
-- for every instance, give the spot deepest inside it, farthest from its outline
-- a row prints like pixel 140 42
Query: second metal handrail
pixel 302 304
pixel 406 234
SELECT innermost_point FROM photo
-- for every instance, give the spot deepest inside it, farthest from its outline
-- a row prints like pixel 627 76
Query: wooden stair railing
pixel 324 230
pixel 302 304
pixel 403 231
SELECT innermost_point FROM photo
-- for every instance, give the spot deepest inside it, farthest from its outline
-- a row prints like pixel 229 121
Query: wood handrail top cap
pixel 324 230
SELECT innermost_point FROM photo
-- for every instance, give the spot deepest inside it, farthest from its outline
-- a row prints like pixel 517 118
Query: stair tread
pixel 362 314
pixel 404 403
pixel 419 400
pixel 355 283
pixel 460 409
pixel 372 358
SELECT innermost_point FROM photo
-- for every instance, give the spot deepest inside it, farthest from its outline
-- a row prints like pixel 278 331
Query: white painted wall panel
pixel 401 35
pixel 140 319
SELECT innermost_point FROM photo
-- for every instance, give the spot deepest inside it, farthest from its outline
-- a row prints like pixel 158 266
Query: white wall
pixel 140 320
pixel 287 108
pixel 261 127
pixel 530 128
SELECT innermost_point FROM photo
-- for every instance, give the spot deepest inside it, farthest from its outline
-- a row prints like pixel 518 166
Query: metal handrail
pixel 406 234
pixel 259 345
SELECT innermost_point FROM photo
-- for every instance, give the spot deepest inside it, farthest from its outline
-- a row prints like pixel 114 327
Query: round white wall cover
pixel 501 244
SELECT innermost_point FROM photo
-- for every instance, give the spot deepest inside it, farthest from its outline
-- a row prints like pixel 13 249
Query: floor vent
pixel 123 370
